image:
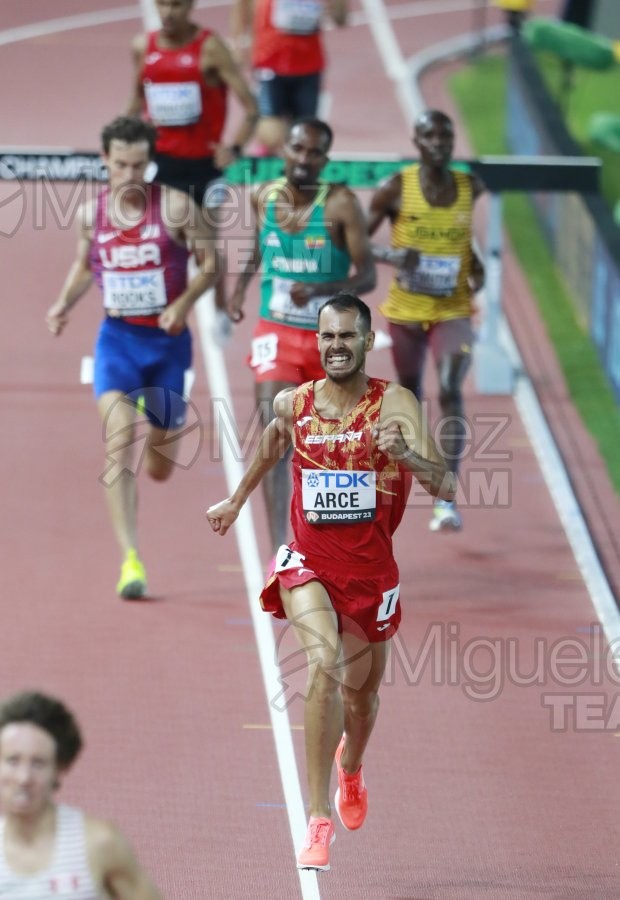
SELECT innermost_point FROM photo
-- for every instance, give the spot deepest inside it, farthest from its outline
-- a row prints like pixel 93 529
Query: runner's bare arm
pixel 187 225
pixel 241 28
pixel 235 303
pixel 403 434
pixel 273 444
pixel 476 275
pixel 475 279
pixel 477 186
pixel 136 100
pixel 79 277
pixel 114 864
pixel 351 216
pixel 385 204
pixel 216 57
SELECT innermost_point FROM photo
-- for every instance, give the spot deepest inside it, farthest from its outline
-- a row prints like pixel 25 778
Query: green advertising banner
pixel 356 173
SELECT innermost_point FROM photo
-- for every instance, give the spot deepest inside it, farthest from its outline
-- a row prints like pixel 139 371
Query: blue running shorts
pixel 144 361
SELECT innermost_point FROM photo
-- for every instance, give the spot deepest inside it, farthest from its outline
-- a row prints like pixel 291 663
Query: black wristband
pixel 236 150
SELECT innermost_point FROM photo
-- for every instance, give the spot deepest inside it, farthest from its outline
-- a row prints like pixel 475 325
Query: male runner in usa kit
pixel 356 443
pixel 134 240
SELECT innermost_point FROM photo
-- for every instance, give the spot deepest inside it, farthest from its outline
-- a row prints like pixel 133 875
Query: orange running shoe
pixel 315 852
pixel 351 798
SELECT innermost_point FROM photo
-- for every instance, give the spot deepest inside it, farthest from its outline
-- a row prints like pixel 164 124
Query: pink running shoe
pixel 319 838
pixel 351 798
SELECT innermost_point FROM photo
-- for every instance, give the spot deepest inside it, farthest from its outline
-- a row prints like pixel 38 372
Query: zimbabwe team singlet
pixel 438 289
pixel 348 497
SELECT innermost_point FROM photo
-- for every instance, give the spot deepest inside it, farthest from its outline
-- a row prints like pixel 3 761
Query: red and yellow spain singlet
pixel 348 496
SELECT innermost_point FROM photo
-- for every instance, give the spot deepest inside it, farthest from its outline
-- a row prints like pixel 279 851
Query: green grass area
pixel 589 92
pixel 479 89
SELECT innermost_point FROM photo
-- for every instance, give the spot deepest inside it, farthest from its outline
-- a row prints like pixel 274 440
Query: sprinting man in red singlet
pixel 356 443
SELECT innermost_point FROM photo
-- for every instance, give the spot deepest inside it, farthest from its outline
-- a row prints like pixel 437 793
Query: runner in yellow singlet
pixel 429 302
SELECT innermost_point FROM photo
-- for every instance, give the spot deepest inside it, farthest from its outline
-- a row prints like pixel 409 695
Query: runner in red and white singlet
pixel 47 849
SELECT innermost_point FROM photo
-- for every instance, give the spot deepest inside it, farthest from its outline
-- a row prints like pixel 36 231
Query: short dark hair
pixel 49 714
pixel 345 300
pixel 428 115
pixel 130 130
pixel 316 125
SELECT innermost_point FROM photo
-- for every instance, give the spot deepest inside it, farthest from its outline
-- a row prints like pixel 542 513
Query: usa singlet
pixel 140 270
pixel 348 496
pixel 189 114
pixel 438 288
pixel 308 256
pixel 68 874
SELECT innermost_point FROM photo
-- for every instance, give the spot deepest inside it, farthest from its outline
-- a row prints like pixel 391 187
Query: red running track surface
pixel 473 793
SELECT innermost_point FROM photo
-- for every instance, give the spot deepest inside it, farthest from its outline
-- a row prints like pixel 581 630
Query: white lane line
pixel 536 426
pixel 150 16
pixel 390 54
pixel 127 13
pixel 413 10
pixel 324 106
pixel 91 20
pixel 564 499
pixel 252 572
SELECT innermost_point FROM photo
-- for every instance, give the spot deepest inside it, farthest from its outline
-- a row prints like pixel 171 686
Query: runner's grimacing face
pixel 434 138
pixel 305 155
pixel 343 343
pixel 174 15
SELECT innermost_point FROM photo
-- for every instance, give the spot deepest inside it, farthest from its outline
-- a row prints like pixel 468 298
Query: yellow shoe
pixel 132 583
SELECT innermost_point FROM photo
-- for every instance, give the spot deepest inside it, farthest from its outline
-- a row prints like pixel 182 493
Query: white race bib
pixel 287 559
pixel 134 293
pixel 284 310
pixel 436 276
pixel 264 350
pixel 297 16
pixel 338 496
pixel 173 104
